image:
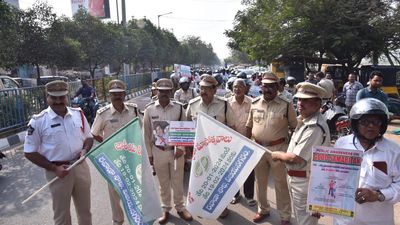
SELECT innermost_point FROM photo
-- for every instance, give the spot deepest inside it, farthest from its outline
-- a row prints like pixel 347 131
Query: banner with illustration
pixel 182 70
pixel 122 160
pixel 222 161
pixel 181 133
pixel 334 181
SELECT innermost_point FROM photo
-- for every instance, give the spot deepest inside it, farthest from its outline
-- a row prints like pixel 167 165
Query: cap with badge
pixel 164 84
pixel 57 88
pixel 208 80
pixel 309 90
pixel 116 86
pixel 269 78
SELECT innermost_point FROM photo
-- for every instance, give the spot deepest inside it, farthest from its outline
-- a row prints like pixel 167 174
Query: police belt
pixel 297 173
pixel 165 148
pixel 59 163
pixel 271 143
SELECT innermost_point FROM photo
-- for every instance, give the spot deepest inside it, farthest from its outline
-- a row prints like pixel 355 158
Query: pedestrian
pixel 282 92
pixel 328 85
pixel 110 119
pixel 350 89
pixel 167 160
pixel 211 104
pixel 310 77
pixel 378 187
pixel 240 104
pixel 312 130
pixel 55 139
pixel 268 123
pixel 373 90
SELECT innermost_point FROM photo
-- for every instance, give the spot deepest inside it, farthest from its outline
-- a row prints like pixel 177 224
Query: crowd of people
pixel 269 119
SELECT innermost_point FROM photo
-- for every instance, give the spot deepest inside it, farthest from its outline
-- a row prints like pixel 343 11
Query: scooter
pixel 336 118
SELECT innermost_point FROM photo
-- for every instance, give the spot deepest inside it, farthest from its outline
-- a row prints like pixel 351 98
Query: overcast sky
pixel 205 18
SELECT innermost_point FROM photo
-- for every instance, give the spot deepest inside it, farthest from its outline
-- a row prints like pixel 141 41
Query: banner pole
pixel 53 180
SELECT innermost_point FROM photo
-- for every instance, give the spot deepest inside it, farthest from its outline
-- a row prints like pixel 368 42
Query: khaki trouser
pixel 264 167
pixel 76 184
pixel 169 178
pixel 298 188
pixel 115 202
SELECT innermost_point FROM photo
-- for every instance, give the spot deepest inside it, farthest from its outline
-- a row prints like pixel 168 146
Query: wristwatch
pixel 381 196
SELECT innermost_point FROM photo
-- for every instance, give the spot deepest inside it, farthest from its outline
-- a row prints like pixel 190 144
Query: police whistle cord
pixel 52 181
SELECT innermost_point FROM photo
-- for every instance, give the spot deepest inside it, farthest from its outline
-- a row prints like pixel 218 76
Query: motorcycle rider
pixel 185 93
pixel 87 93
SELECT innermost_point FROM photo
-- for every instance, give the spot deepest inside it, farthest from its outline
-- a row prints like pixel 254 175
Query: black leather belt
pixel 165 148
pixel 271 143
pixel 59 163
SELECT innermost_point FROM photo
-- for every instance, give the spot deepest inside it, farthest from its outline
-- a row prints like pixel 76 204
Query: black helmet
pixel 369 106
pixel 229 83
pixel 219 78
pixel 242 75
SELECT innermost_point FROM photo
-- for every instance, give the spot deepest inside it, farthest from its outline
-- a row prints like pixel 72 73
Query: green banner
pixel 122 160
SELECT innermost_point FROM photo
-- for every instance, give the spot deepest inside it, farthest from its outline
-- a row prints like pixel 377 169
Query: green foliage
pixel 344 30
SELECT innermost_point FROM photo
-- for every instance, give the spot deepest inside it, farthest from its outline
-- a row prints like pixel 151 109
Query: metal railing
pixel 18 105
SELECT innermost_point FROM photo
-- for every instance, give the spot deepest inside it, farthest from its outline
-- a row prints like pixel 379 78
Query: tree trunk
pixel 38 73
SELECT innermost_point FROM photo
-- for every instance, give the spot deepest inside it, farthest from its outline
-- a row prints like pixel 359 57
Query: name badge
pixel 55 125
pixel 155 117
pixel 113 120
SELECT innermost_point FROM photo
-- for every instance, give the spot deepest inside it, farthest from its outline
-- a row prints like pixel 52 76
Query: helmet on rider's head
pixel 229 83
pixel 219 78
pixel 184 80
pixel 290 80
pixel 242 75
pixel 369 106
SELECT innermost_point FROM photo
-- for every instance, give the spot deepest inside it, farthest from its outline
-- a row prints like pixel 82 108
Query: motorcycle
pixel 89 107
pixel 337 119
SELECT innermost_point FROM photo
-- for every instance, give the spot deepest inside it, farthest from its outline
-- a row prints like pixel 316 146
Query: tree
pixel 343 30
pixel 8 34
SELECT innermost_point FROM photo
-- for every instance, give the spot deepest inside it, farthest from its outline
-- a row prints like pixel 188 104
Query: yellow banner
pixel 331 210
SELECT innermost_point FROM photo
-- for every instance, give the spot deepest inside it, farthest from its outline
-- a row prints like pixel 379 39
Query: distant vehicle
pixel 7 83
pixel 26 82
pixel 46 79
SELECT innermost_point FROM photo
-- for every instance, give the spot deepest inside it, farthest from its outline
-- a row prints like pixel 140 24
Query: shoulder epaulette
pixel 103 109
pixel 75 108
pixel 149 104
pixel 284 99
pixel 41 114
pixel 220 98
pixel 193 100
pixel 176 102
pixel 256 99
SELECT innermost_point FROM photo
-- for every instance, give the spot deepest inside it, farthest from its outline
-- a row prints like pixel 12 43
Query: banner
pixel 97 8
pixel 222 161
pixel 181 133
pixel 182 71
pixel 334 181
pixel 122 160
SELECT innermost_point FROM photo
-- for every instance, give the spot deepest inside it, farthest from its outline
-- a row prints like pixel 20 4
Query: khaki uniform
pixel 185 97
pixel 219 109
pixel 163 156
pixel 108 120
pixel 270 122
pixel 312 131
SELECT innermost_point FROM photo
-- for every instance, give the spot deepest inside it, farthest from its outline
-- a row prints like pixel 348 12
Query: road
pixel 19 178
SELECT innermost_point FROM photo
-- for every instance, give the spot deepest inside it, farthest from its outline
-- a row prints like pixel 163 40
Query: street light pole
pixel 158 17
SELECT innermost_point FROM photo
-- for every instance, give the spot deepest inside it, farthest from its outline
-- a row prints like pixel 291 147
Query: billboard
pixel 97 8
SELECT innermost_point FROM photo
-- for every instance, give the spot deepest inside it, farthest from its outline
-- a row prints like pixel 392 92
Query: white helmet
pixel 184 80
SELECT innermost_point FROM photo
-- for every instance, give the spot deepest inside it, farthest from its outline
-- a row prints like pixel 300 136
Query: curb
pixel 20 137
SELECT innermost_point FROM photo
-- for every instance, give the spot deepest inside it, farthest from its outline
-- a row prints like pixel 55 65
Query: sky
pixel 207 19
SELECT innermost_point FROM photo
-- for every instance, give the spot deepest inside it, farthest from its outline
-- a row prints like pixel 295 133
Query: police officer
pixel 56 138
pixel 167 160
pixel 269 121
pixel 312 130
pixel 185 93
pixel 212 105
pixel 109 119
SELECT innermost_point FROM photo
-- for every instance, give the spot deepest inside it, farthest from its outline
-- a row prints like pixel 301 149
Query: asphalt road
pixel 19 178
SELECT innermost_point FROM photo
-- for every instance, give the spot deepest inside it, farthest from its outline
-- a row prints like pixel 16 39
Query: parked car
pixel 7 83
pixel 46 79
pixel 26 82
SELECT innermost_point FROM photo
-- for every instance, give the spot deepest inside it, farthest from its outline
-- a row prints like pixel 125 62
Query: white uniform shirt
pixel 373 213
pixel 55 137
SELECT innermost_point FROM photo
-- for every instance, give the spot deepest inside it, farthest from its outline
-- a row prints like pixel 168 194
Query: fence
pixel 18 105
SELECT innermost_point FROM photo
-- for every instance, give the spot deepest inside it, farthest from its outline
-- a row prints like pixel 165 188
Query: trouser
pixel 115 202
pixel 298 188
pixel 76 184
pixel 169 178
pixel 278 171
pixel 248 187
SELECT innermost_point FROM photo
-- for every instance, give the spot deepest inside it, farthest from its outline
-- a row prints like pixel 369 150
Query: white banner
pixel 182 70
pixel 222 161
